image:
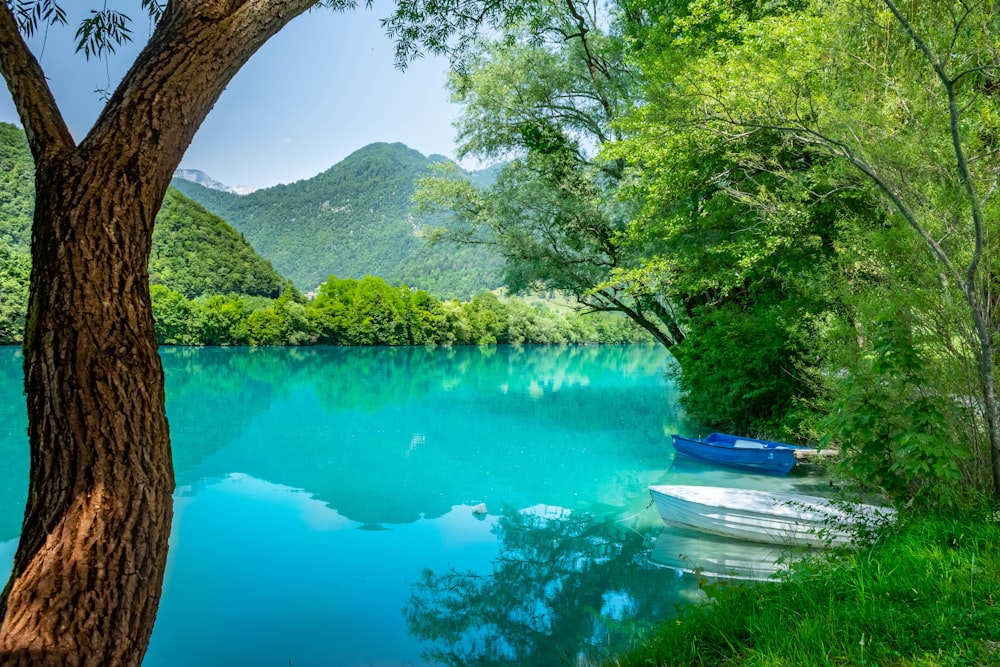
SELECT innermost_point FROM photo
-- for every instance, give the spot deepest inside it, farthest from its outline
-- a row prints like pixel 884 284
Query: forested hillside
pixel 17 202
pixel 17 188
pixel 194 252
pixel 354 220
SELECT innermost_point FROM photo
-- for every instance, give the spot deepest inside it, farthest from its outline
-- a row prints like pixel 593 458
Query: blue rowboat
pixel 739 452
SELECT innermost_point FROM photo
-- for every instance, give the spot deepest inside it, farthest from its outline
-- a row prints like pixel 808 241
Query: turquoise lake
pixel 324 505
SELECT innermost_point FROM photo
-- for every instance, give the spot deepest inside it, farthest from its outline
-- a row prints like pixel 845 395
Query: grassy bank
pixel 927 595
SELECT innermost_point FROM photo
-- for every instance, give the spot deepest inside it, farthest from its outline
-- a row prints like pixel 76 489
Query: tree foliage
pixel 15 268
pixel 546 95
pixel 918 133
pixel 370 311
pixel 697 161
pixel 17 188
pixel 613 194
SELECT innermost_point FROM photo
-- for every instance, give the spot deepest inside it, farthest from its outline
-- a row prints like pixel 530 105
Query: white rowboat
pixel 791 519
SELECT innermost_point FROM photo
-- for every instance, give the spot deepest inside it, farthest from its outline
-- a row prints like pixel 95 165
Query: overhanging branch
pixel 961 163
pixel 43 123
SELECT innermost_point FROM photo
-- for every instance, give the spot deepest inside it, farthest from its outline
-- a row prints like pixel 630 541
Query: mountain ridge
pixel 201 178
pixel 351 220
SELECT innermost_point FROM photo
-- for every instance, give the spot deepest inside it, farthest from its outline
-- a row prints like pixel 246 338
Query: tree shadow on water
pixel 567 588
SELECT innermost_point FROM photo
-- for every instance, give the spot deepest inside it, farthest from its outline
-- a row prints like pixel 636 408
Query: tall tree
pixel 745 250
pixel 546 95
pixel 613 195
pixel 903 96
pixel 88 569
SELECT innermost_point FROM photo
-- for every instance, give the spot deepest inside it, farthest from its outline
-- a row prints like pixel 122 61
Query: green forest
pixel 209 287
pixel 370 311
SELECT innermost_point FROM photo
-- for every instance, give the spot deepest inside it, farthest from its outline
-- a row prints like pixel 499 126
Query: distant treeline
pixel 370 311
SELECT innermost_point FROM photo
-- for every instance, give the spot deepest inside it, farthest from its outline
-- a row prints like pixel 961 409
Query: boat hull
pixel 748 453
pixel 776 518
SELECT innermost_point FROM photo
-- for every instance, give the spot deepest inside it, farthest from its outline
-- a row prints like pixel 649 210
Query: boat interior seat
pixel 748 444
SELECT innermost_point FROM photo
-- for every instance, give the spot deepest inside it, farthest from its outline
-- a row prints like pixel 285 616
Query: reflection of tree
pixel 370 378
pixel 206 383
pixel 565 584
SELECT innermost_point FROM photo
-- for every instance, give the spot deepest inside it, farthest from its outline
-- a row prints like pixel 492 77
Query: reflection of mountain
pixel 390 435
pixel 13 444
pixel 567 588
pixel 214 393
pixel 386 435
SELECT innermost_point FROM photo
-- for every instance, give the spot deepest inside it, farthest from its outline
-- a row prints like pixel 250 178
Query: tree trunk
pixel 669 335
pixel 89 566
pixel 987 381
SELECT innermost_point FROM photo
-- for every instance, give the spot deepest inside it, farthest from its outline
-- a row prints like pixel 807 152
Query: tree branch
pixel 807 136
pixel 961 162
pixel 636 315
pixel 191 57
pixel 593 66
pixel 43 123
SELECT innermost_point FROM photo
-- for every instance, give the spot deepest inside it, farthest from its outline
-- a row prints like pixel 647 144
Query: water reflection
pixel 715 557
pixel 262 575
pixel 566 586
pixel 357 427
pixel 323 490
pixel 362 428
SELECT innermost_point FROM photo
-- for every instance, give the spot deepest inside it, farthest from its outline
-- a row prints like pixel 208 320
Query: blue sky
pixel 319 90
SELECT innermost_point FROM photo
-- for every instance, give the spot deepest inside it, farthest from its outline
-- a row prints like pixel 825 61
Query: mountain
pixel 354 220
pixel 203 179
pixel 194 252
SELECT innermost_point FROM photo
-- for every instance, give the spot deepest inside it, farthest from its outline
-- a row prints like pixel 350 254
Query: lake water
pixel 324 506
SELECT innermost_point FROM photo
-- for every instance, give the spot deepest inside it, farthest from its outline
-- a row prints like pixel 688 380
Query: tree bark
pixel 987 383
pixel 89 567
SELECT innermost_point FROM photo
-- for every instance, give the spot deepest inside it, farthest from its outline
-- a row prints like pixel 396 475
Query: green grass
pixel 925 595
